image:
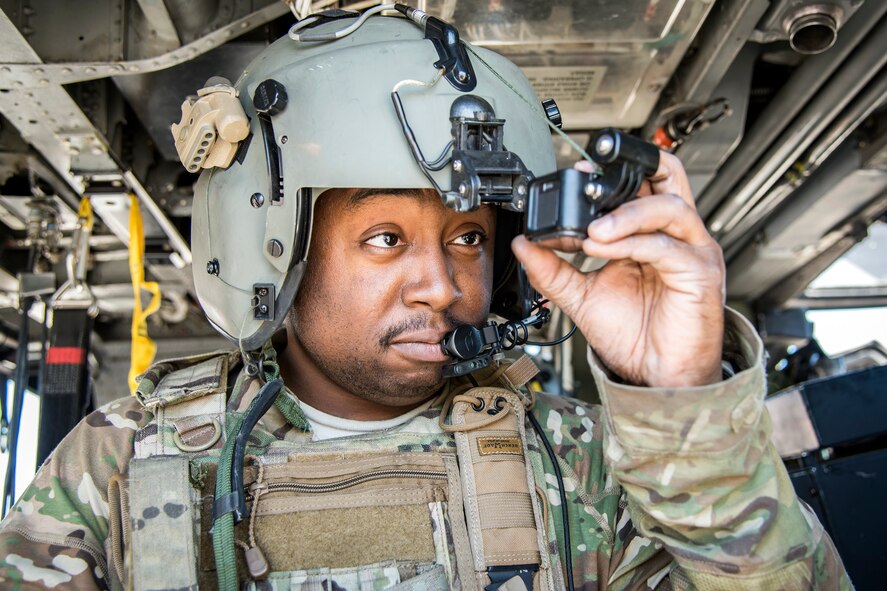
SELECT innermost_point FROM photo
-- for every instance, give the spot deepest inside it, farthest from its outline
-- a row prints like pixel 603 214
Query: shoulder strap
pixel 187 398
pixel 176 380
pixel 163 534
pixel 504 517
pixel 510 374
pixel 520 372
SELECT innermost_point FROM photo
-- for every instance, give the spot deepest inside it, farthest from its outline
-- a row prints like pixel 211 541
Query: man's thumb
pixel 552 276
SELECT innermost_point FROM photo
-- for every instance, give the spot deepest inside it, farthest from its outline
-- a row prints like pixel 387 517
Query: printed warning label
pixel 499 445
pixel 572 87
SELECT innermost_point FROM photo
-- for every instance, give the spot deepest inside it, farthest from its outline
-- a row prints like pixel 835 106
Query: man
pixel 372 471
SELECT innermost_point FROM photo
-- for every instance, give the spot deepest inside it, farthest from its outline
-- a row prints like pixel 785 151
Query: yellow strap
pixel 143 348
pixel 85 213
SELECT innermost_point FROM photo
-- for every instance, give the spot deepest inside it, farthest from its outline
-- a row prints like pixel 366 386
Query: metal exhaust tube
pixel 791 100
pixel 812 30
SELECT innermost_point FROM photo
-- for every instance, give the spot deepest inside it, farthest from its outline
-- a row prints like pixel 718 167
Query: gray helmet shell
pixel 339 129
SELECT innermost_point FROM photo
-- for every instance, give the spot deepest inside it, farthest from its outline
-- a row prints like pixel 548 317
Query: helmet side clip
pixel 452 57
pixel 270 99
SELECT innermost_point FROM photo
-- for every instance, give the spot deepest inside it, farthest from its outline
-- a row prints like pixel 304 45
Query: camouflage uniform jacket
pixel 667 488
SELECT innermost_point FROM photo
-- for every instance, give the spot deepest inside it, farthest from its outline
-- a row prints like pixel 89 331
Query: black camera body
pixel 565 202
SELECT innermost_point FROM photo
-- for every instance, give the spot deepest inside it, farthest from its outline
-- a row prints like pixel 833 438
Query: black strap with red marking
pixel 64 381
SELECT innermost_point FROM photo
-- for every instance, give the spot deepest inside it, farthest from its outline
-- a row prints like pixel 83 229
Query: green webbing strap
pixel 292 412
pixel 223 524
pixel 223 527
pixel 286 405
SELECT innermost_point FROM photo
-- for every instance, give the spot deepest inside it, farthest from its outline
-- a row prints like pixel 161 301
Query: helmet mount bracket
pixel 453 58
pixel 483 170
pixel 269 99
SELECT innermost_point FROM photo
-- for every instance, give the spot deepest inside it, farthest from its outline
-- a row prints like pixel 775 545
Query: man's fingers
pixel 668 214
pixel 664 253
pixel 552 276
pixel 562 243
pixel 671 177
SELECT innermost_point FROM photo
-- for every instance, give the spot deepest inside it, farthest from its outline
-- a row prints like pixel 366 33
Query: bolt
pixel 594 190
pixel 457 165
pixel 263 291
pixel 605 144
pixel 257 200
pixel 462 76
pixel 521 189
pixel 284 139
pixel 212 267
pixel 463 188
pixel 520 204
pixel 263 309
pixel 274 247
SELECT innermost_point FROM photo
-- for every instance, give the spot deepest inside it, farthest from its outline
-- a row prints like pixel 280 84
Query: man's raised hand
pixel 654 314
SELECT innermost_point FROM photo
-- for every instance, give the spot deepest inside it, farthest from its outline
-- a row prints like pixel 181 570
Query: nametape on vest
pixel 499 445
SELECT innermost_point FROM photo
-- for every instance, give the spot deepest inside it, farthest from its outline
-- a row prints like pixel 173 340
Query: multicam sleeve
pixel 56 535
pixel 704 481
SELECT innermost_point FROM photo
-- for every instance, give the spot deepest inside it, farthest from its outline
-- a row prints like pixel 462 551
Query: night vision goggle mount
pixel 483 170
pixel 561 204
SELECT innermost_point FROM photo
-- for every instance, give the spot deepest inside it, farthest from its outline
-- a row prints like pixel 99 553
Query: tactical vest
pixel 406 509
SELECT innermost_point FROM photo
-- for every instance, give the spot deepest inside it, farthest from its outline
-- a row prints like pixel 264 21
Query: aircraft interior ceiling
pixel 775 107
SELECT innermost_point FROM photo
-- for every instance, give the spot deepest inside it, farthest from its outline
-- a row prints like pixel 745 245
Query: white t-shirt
pixel 326 426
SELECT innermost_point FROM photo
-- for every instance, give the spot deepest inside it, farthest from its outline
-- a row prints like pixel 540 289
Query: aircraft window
pixel 841 330
pixel 26 461
pixel 864 267
pixel 857 284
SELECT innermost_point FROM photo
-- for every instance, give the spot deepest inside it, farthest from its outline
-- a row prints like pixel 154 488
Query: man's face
pixel 388 275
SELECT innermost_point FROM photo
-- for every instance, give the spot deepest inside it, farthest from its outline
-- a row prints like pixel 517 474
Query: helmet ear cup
pixel 512 296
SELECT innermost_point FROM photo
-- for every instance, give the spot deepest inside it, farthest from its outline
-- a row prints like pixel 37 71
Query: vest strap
pixel 164 532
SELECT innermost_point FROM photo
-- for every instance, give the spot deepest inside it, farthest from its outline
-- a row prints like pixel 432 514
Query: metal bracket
pixel 270 98
pixel 451 53
pixel 36 284
pixel 264 300
pixel 483 171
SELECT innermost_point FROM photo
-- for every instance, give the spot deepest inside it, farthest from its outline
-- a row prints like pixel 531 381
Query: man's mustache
pixel 447 322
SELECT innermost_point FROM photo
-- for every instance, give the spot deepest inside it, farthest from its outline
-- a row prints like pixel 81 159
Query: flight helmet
pixel 391 103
